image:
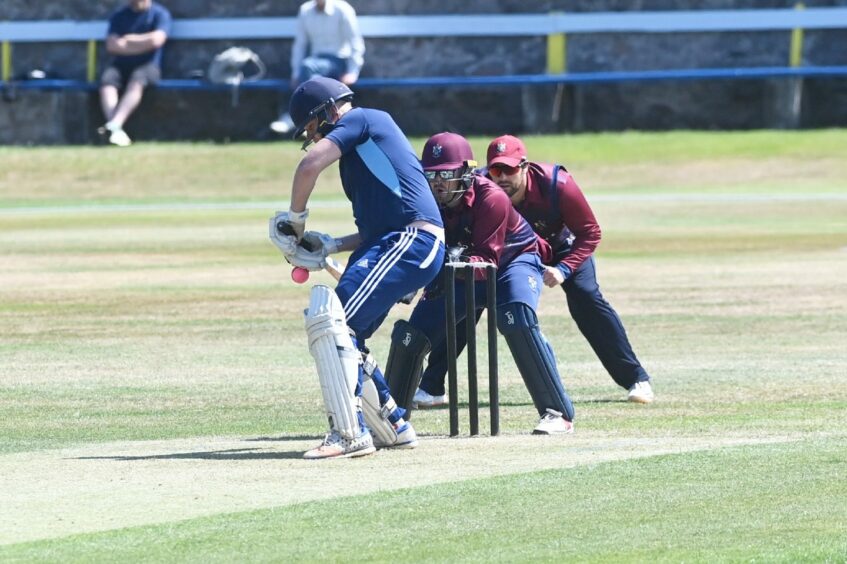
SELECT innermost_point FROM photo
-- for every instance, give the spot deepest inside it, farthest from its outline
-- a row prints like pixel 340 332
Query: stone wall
pixel 712 104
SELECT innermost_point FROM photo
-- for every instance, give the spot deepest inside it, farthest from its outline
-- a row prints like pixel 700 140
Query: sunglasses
pixel 497 170
pixel 443 174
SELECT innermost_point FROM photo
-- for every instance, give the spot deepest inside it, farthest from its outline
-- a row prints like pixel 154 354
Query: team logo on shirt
pixel 436 151
pixel 533 284
pixel 501 147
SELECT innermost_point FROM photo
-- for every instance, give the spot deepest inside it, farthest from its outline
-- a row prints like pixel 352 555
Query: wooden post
pixel 92 60
pixel 557 63
pixel 5 61
pixel 795 60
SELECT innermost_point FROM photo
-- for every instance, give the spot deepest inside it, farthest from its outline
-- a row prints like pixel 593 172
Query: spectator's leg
pixel 127 104
pixel 110 82
pixel 317 65
pixel 108 100
pixel 140 78
pixel 321 65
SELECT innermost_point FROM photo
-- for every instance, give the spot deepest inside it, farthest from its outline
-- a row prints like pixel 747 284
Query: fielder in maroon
pixel 552 202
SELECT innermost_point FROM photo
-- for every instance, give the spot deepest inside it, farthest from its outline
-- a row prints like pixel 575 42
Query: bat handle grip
pixel 286 229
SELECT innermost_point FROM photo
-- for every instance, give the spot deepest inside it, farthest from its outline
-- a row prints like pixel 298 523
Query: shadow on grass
pixel 466 405
pixel 231 454
pixel 591 401
pixel 286 438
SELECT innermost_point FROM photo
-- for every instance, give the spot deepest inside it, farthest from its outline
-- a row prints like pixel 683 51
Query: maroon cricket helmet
pixel 447 151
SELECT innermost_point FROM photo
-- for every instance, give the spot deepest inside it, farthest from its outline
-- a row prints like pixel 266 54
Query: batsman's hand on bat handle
pixel 297 222
pixel 287 228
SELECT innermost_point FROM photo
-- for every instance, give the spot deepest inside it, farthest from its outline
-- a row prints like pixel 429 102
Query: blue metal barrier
pixel 477 81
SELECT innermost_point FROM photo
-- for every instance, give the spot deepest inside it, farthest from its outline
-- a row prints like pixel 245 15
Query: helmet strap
pixel 467 176
pixel 324 123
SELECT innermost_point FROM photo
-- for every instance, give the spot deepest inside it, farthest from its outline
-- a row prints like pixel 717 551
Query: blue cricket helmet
pixel 312 98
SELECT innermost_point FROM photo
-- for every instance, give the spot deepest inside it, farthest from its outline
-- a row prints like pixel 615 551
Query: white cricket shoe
pixel 552 423
pixel 406 437
pixel 283 125
pixel 641 392
pixel 424 400
pixel 336 446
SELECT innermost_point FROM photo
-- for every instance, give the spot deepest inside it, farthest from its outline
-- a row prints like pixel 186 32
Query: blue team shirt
pixel 126 21
pixel 381 174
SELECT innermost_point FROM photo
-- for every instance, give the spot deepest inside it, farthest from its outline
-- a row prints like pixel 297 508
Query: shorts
pixel 146 74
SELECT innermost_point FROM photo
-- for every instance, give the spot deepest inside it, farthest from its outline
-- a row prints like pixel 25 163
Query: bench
pixel 554 25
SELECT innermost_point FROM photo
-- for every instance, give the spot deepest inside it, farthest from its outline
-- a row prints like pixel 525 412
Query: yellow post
pixel 795 58
pixel 92 60
pixel 557 49
pixel 5 61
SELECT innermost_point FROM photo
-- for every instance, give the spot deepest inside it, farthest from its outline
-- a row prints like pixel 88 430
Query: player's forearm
pixel 349 242
pixel 579 218
pixel 135 43
pixel 302 186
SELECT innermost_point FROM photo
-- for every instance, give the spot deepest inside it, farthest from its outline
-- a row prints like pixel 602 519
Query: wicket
pixel 470 316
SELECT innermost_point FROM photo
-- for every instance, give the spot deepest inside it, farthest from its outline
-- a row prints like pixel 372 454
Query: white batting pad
pixel 376 418
pixel 336 358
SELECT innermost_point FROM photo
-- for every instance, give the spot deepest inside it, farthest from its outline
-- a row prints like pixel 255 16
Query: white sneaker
pixel 117 136
pixel 336 446
pixel 552 423
pixel 641 392
pixel 284 125
pixel 424 400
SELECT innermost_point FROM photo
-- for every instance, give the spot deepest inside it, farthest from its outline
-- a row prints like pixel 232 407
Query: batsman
pixel 397 249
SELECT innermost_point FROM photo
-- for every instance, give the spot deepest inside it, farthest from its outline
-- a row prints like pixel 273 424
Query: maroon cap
pixel 446 151
pixel 507 150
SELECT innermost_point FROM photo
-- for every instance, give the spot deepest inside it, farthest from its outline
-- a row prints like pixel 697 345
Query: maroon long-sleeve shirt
pixel 560 215
pixel 487 224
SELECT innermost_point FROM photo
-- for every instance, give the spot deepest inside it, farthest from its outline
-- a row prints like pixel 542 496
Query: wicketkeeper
pixel 398 249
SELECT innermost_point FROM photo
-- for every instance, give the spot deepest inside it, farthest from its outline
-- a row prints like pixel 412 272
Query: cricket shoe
pixel 641 392
pixel 336 446
pixel 406 437
pixel 283 125
pixel 424 400
pixel 552 423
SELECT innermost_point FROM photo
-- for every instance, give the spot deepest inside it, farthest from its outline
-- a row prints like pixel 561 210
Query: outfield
pixel 156 393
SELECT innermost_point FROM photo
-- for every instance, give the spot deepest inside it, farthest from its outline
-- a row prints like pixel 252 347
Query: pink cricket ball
pixel 299 274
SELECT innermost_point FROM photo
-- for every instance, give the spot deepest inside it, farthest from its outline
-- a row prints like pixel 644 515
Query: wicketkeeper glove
pixel 456 254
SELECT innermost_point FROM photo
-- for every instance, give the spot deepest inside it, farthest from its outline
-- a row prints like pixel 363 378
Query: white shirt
pixel 333 31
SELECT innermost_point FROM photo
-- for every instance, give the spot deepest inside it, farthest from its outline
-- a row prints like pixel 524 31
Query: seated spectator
pixel 330 31
pixel 136 35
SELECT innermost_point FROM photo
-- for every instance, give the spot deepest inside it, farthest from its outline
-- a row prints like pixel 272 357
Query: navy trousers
pixel 602 328
pixel 594 316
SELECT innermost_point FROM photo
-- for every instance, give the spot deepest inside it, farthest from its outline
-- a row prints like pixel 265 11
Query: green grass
pixel 132 324
pixel 716 506
pixel 756 162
